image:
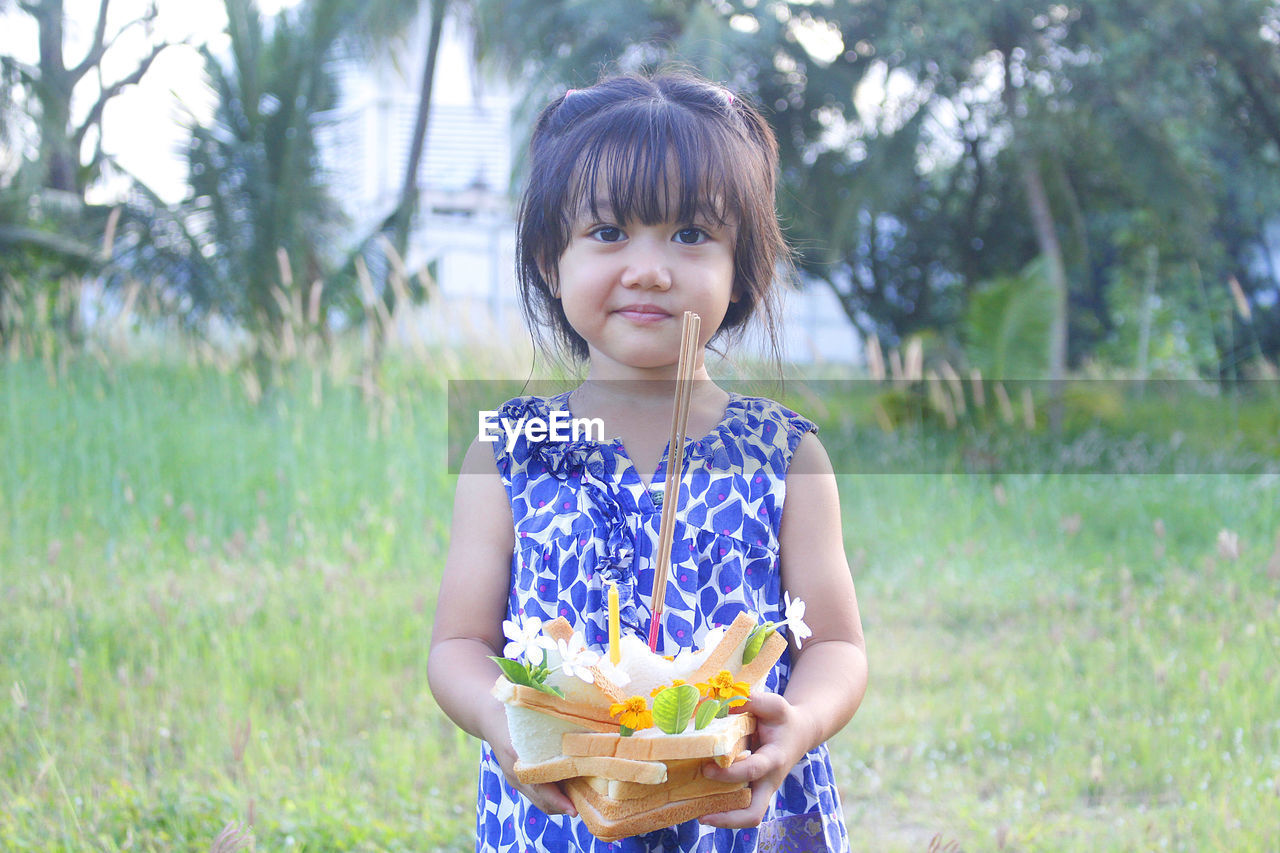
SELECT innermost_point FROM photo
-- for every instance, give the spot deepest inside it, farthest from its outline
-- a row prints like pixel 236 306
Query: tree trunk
pixel 53 92
pixel 1047 240
pixel 408 202
pixel 1146 308
pixel 1046 232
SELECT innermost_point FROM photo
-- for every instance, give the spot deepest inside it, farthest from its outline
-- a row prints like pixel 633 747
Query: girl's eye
pixel 607 233
pixel 690 236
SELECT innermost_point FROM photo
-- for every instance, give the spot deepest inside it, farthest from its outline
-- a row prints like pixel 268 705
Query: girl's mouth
pixel 643 313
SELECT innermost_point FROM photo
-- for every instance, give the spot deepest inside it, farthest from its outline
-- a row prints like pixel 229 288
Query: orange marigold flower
pixel 722 686
pixel 675 682
pixel 634 713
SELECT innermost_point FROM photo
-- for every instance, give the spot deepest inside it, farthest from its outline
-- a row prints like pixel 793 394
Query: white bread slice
pixel 623 769
pixel 727 654
pixel 610 820
pixel 684 781
pixel 718 740
pixel 535 736
pixel 753 673
pixel 591 717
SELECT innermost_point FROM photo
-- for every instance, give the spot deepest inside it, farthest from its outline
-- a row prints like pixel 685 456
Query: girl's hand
pixel 548 796
pixel 784 733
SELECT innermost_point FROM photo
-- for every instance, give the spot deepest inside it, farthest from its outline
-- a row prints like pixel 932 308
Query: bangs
pixel 650 163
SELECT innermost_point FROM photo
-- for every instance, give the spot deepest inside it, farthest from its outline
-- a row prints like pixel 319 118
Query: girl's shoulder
pixel 532 405
pixel 520 427
pixel 754 428
pixel 770 419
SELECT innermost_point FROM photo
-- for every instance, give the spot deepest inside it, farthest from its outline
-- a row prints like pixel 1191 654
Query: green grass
pixel 1048 669
pixel 217 611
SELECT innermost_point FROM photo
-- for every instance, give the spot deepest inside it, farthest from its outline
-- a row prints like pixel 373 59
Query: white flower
pixel 526 639
pixel 794 621
pixel 576 658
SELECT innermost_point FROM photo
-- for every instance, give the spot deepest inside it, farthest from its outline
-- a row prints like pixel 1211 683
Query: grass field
pixel 216 611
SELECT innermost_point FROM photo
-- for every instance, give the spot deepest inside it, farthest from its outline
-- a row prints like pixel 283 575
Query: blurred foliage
pixel 1147 124
pixel 1006 323
pixel 260 236
pixel 911 135
pixel 259 226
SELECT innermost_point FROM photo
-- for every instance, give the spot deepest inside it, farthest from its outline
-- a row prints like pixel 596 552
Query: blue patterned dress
pixel 584 519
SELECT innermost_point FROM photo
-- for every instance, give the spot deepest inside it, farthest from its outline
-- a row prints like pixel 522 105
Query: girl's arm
pixel 469 613
pixel 829 673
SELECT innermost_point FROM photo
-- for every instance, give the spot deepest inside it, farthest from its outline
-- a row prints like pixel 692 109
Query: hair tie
pixel 571 92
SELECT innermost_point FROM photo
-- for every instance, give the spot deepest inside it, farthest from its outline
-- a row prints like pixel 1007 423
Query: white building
pixel 464 230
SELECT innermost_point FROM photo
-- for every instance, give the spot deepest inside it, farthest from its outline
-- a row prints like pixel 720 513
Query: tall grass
pixel 215 609
pixel 1067 663
pixel 218 610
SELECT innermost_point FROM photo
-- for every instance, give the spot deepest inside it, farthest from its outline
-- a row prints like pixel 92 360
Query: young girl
pixel 650 197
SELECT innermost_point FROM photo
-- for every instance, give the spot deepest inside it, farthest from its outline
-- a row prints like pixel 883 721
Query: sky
pixel 143 126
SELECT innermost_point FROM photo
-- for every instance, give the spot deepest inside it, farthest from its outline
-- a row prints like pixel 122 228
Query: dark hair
pixel 635 140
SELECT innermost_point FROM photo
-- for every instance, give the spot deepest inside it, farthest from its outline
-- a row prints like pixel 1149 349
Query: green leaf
pixel 755 642
pixel 526 675
pixel 515 672
pixel 547 688
pixel 626 732
pixel 673 707
pixel 707 711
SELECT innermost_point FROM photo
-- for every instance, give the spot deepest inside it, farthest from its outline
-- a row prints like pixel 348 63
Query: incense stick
pixel 690 325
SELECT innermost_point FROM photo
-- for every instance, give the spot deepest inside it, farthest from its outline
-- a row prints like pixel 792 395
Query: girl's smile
pixel 644 314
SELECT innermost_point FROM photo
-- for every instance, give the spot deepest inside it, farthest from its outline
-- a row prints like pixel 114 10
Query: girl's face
pixel 626 285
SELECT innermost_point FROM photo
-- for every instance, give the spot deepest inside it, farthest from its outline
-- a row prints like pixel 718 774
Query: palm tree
pixel 258 193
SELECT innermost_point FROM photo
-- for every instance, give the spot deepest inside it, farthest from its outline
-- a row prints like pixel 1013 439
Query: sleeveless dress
pixel 583 520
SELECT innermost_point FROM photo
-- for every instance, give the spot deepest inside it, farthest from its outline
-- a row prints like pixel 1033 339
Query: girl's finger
pixel 742 818
pixel 747 769
pixel 550 799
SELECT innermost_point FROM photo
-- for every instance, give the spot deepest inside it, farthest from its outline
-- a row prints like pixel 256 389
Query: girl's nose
pixel 647 271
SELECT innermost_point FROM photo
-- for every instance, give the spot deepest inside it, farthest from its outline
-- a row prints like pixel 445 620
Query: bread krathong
pixel 628 733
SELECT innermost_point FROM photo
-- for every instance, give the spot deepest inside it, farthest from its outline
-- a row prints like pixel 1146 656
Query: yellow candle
pixel 615 646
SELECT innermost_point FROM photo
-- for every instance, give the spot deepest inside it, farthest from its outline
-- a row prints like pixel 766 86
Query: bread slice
pixel 610 820
pixel 601 691
pixel 684 781
pixel 725 737
pixel 727 654
pixel 566 767
pixel 591 717
pixel 753 673
pixel 535 736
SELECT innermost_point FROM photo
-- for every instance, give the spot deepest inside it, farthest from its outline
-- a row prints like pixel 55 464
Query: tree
pixel 47 232
pixel 1117 142
pixel 259 227
pixel 53 81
